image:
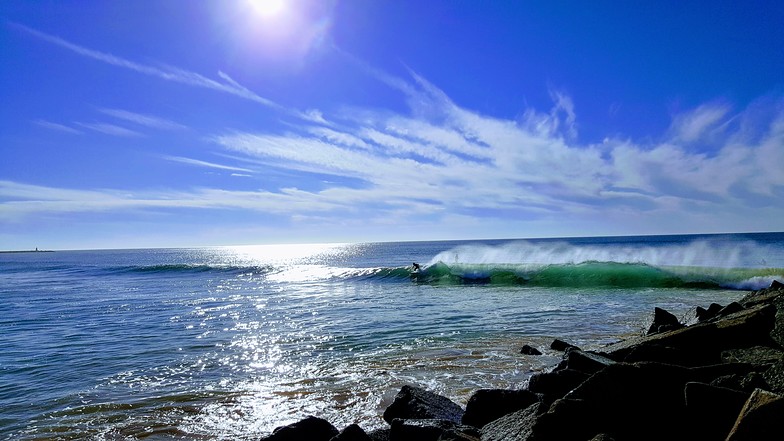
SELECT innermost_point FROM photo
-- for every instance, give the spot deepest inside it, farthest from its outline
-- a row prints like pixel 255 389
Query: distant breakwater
pixel 720 376
pixel 26 251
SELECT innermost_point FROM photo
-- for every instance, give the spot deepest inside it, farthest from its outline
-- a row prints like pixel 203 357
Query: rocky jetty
pixel 719 377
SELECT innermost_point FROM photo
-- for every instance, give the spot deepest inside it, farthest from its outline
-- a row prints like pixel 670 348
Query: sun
pixel 268 8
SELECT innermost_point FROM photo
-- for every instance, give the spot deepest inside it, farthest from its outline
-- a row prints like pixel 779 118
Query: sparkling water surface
pixel 229 343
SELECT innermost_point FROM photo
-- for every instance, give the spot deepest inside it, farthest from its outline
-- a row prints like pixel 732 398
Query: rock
pixel 707 314
pixel 352 433
pixel 603 437
pixel 416 403
pixel 529 350
pixel 560 345
pixel 487 405
pixel 516 426
pixel 431 430
pixel 380 434
pixel 663 321
pixel 586 361
pixel 756 355
pixel 706 374
pixel 711 411
pixel 631 401
pixel 776 285
pixel 774 377
pixel 732 308
pixel 744 383
pixel 750 327
pixel 568 420
pixel 767 295
pixel 310 428
pixel 556 383
pixel 760 418
pixel 664 354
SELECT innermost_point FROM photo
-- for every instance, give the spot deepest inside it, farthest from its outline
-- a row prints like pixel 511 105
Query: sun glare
pixel 268 8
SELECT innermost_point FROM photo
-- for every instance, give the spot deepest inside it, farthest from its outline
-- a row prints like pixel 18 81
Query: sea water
pixel 231 342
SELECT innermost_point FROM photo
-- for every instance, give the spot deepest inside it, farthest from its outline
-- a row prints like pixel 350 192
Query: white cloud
pixel 200 163
pixel 168 73
pixel 57 127
pixel 110 129
pixel 143 120
pixel 693 125
pixel 451 160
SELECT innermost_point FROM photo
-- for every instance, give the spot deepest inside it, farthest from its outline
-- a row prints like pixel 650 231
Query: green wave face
pixel 608 274
pixel 702 263
pixel 599 274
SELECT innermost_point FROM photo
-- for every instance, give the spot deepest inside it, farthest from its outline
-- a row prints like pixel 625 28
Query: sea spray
pixel 705 252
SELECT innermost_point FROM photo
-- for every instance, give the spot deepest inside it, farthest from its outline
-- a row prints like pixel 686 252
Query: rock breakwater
pixel 718 377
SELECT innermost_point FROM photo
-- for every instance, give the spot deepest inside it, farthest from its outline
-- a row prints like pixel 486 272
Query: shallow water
pixel 229 343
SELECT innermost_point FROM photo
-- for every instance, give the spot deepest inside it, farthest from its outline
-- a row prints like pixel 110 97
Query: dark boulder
pixel 566 420
pixel 760 418
pixel 352 433
pixel 711 411
pixel 431 430
pixel 663 321
pixel 310 428
pixel 658 353
pixel 416 403
pixel 706 374
pixel 487 405
pixel 707 314
pixel 774 377
pixel 585 361
pixel 602 437
pixel 530 350
pixel 742 382
pixel 380 434
pixel 756 355
pixel 767 295
pixel 750 327
pixel 732 308
pixel 560 345
pixel 516 426
pixel 556 383
pixel 630 401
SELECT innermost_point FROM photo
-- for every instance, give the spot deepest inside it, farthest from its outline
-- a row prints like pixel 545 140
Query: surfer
pixel 415 267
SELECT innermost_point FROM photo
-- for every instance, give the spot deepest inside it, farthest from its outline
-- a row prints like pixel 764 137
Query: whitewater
pixel 231 342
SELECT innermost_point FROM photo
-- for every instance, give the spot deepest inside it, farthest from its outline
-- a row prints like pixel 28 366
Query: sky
pixel 231 122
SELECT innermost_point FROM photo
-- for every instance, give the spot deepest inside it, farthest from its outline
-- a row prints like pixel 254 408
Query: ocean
pixel 230 342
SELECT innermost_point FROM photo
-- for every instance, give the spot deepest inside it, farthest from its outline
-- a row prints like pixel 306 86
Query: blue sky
pixel 183 123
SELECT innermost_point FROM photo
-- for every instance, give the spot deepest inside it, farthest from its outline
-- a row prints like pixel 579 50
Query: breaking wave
pixel 698 264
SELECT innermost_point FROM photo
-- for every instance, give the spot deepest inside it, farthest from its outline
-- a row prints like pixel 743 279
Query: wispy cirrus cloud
pixel 693 125
pixel 57 127
pixel 207 164
pixel 168 73
pixel 150 121
pixel 111 129
pixel 19 200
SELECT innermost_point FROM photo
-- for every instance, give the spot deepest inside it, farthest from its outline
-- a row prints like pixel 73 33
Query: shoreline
pixel 719 376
